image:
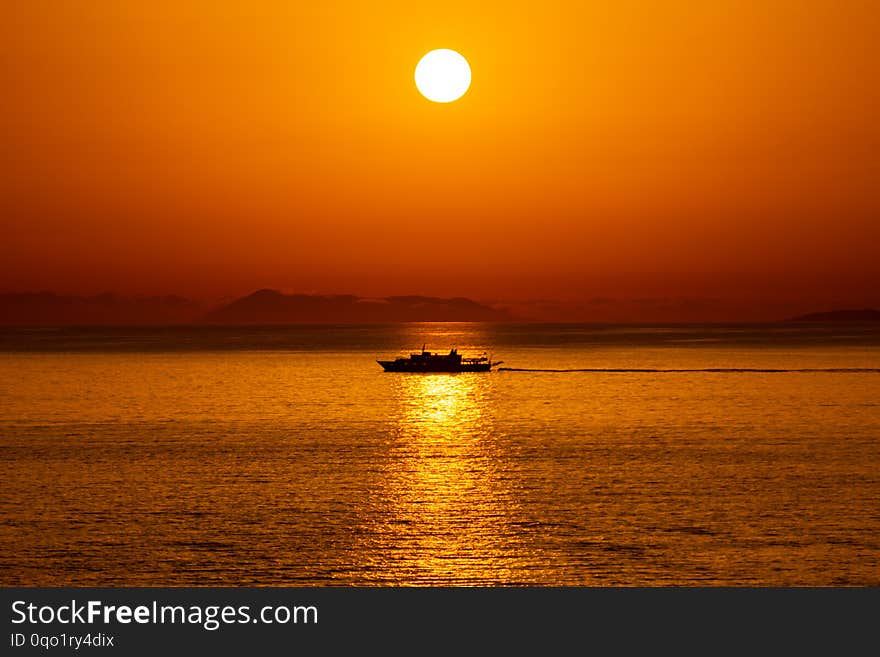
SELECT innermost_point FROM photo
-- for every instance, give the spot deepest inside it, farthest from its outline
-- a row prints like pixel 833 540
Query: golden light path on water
pixel 451 510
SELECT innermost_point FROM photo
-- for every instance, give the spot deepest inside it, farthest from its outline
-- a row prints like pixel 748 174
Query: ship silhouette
pixel 427 361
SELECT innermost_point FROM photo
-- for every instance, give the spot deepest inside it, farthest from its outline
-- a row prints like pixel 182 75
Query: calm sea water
pixel 285 456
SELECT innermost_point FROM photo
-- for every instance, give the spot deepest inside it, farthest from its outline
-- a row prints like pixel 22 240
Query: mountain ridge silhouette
pixel 268 306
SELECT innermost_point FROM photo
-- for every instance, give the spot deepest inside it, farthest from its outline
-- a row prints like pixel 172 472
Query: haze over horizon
pixel 268 306
pixel 636 161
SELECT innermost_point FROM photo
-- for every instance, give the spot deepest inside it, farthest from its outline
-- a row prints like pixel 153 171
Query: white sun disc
pixel 443 75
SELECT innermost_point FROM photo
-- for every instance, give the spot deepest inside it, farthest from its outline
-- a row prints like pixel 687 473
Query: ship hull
pixel 426 368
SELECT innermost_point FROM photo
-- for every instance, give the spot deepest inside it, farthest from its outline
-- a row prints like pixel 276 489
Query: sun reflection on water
pixel 442 406
pixel 449 503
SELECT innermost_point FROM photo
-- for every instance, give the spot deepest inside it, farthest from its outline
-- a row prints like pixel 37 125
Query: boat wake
pixel 714 370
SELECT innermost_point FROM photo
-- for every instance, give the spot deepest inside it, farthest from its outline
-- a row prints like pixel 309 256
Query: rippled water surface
pixel 285 456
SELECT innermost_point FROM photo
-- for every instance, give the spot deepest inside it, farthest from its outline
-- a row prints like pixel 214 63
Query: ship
pixel 433 362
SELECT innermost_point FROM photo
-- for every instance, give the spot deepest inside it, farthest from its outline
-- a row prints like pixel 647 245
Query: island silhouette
pixel 274 307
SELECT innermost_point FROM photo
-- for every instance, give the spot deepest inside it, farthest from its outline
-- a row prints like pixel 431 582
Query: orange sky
pixel 724 151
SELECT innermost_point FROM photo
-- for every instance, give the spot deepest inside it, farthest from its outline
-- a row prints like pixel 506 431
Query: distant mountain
pixel 50 309
pixel 863 315
pixel 274 307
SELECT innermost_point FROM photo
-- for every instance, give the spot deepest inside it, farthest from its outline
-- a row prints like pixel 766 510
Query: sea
pixel 673 455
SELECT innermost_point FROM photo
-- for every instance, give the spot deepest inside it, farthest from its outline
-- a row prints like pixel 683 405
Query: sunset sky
pixel 719 155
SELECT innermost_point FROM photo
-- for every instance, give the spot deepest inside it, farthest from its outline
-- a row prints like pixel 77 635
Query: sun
pixel 443 75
